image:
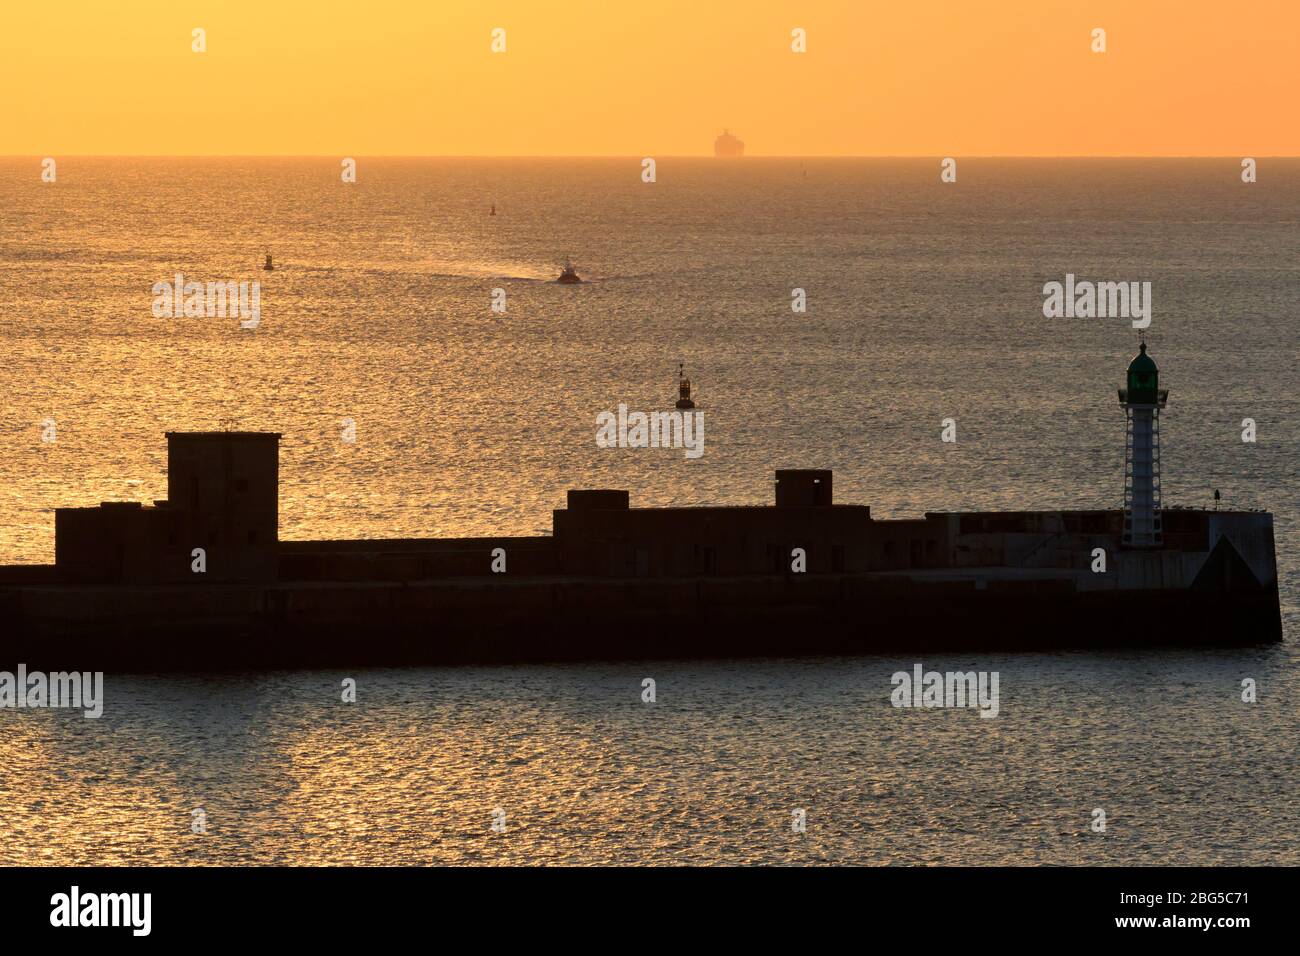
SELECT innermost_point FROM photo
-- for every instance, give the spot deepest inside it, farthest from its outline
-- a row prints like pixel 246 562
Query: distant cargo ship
pixel 728 145
pixel 201 581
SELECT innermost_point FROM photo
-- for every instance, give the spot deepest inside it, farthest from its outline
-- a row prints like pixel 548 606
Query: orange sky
pixel 650 77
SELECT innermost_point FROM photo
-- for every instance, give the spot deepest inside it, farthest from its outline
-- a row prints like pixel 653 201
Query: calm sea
pixel 924 302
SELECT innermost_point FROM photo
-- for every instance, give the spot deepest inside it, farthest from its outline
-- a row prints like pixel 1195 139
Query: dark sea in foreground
pixel 924 302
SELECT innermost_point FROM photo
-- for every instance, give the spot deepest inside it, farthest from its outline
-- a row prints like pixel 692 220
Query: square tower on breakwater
pixel 222 497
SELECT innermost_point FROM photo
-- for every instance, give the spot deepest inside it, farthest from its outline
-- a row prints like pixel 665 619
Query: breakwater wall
pixel 460 621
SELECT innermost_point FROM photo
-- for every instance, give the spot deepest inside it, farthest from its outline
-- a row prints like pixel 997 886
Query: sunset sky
pixel 618 77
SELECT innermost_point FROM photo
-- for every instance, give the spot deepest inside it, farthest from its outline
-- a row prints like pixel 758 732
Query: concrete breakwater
pixel 201 580
pixel 455 621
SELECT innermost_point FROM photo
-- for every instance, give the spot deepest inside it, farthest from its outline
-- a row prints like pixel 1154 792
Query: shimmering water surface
pixel 924 302
pixel 710 773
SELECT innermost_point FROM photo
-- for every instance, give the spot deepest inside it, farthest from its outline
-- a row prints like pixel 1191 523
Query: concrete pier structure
pixel 801 574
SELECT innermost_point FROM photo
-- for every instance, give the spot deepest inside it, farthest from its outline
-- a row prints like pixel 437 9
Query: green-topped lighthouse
pixel 1142 400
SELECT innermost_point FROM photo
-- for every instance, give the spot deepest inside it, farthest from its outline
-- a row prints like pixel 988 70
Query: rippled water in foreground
pixel 710 773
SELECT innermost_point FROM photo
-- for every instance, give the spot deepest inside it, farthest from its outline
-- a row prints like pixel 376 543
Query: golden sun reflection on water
pixel 586 773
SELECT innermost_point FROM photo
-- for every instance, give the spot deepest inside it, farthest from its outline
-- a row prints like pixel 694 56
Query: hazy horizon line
pixel 927 156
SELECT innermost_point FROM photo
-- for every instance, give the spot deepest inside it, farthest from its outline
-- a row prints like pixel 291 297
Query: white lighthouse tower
pixel 1142 401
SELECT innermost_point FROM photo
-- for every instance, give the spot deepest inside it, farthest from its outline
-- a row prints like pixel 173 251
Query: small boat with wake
pixel 570 275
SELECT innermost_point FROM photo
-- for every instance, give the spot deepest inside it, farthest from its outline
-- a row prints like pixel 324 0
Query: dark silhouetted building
pixel 222 497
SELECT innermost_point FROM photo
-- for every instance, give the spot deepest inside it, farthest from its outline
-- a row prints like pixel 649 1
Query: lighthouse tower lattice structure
pixel 1142 401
